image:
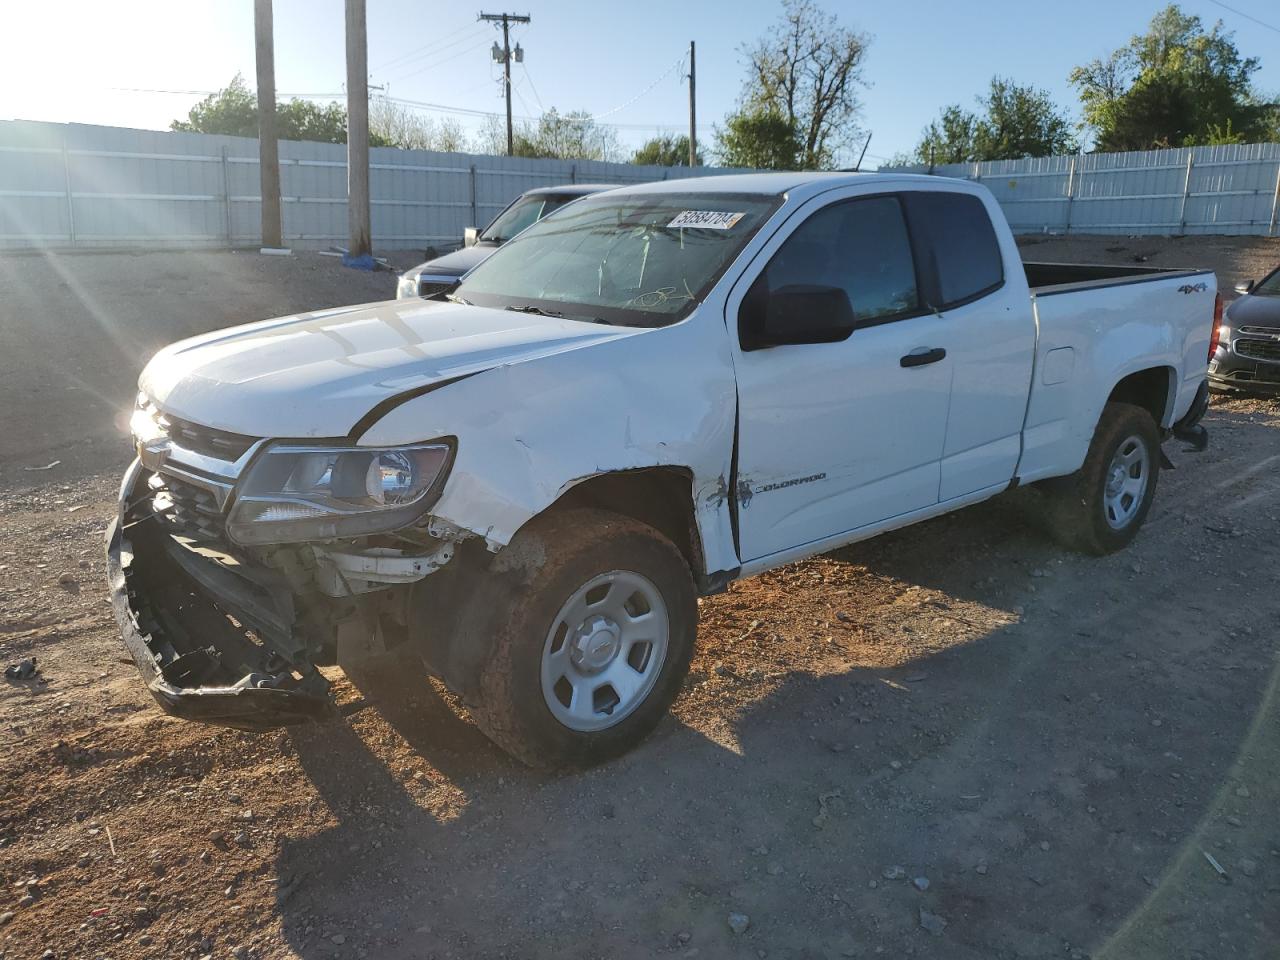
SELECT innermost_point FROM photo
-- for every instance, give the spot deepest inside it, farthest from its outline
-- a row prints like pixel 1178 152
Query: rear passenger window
pixel 966 254
pixel 860 246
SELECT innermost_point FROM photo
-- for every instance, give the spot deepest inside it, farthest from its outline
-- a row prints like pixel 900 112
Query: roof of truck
pixel 771 183
pixel 576 189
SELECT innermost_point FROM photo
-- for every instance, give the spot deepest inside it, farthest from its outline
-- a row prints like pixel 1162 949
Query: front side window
pixel 859 246
pixel 522 213
pixel 642 259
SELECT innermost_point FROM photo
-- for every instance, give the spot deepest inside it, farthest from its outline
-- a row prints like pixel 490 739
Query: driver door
pixel 837 436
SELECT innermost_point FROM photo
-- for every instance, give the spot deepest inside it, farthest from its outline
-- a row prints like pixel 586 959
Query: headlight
pixel 407 288
pixel 293 494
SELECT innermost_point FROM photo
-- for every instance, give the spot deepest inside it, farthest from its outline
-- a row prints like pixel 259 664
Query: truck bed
pixel 1095 325
pixel 1047 278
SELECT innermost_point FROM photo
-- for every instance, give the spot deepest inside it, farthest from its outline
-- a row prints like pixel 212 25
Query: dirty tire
pixel 531 579
pixel 1075 506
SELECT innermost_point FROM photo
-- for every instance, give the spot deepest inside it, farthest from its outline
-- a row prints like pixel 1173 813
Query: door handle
pixel 918 358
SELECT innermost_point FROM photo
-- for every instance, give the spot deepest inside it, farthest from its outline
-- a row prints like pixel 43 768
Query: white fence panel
pixel 75 185
pixel 1231 189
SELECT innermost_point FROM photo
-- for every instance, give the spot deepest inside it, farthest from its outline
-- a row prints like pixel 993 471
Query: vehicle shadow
pixel 1040 779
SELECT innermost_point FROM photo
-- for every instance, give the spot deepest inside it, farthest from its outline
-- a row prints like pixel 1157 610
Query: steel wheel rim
pixel 604 651
pixel 1125 483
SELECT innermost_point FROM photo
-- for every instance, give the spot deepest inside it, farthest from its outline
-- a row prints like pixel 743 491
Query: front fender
pixel 529 431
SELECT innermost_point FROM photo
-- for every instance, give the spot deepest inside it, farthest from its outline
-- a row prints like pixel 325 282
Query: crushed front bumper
pixel 206 641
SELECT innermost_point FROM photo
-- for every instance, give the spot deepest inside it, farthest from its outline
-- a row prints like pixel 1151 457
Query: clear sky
pixel 73 60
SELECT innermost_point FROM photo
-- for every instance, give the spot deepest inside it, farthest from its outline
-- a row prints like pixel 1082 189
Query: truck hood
pixel 318 374
pixel 1252 310
pixel 457 263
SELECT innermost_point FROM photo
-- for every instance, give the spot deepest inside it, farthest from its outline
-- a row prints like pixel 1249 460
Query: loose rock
pixel 738 922
pixel 932 922
pixel 894 872
pixel 921 883
pixel 1249 867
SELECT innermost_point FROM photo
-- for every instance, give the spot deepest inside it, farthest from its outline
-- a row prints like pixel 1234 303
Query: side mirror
pixel 799 313
pixel 470 235
pixel 1243 288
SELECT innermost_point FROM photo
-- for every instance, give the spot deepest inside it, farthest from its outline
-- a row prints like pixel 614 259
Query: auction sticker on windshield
pixel 707 219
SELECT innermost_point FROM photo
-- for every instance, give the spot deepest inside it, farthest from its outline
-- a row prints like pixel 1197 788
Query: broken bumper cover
pixel 196 663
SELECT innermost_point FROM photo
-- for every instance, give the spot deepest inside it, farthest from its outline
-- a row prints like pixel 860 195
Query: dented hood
pixel 318 374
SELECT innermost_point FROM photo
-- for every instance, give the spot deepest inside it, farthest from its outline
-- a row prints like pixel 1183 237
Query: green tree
pixel 1176 85
pixel 1013 122
pixel 566 136
pixel 759 138
pixel 233 112
pixel 398 125
pixel 665 151
pixel 949 139
pixel 806 71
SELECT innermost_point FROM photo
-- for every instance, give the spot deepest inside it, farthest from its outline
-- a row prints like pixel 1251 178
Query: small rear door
pixel 991 335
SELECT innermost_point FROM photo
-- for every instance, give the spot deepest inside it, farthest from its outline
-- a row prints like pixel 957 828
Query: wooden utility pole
pixel 693 109
pixel 268 149
pixel 506 19
pixel 358 228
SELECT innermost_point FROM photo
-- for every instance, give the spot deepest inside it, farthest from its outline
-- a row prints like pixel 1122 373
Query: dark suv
pixel 1248 354
pixel 436 276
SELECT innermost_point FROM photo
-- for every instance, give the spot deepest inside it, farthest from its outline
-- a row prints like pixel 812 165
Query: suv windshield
pixel 639 260
pixel 520 214
pixel 1268 286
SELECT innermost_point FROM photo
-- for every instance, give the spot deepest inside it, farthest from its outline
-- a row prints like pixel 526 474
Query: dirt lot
pixel 1052 747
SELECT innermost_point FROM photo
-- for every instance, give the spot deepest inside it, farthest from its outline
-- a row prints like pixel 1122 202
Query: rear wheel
pixel 593 617
pixel 1100 508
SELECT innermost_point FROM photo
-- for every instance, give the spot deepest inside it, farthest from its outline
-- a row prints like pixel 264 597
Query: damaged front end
pixel 230 634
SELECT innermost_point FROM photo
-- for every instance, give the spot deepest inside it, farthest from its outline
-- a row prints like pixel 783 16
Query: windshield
pixel 639 260
pixel 522 213
pixel 1268 286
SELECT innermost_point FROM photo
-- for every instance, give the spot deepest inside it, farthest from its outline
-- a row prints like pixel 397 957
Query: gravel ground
pixel 955 741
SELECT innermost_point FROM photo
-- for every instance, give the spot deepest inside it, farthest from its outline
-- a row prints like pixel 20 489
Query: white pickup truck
pixel 652 392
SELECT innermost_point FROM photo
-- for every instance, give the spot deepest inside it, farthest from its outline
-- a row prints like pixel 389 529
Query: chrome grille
pixel 185 509
pixel 206 441
pixel 1267 351
pixel 429 288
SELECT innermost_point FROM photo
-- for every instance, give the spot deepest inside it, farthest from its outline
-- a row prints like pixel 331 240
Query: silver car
pixel 438 275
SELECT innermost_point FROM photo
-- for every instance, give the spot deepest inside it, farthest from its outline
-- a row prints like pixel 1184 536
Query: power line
pixel 439 63
pixel 471 112
pixel 532 86
pixel 666 73
pixel 1241 13
pixel 435 46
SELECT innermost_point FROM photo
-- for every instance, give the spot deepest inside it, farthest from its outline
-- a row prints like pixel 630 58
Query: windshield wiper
pixel 556 314
pixel 535 310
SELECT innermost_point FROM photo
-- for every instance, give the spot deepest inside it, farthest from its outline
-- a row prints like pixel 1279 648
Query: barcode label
pixel 706 219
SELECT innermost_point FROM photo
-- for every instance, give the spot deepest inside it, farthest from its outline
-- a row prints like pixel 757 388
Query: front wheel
pixel 593 617
pixel 1100 508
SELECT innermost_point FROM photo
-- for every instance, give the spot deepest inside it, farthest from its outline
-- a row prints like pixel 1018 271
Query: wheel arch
pixel 1154 389
pixel 452 634
pixel 660 496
